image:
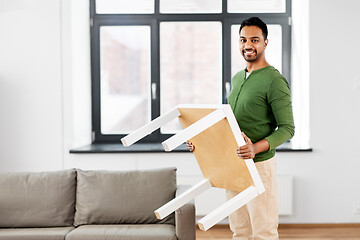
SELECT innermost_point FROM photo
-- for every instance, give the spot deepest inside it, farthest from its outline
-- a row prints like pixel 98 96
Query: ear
pixel 266 43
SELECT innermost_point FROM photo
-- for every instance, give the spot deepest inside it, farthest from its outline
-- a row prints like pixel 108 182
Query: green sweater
pixel 262 107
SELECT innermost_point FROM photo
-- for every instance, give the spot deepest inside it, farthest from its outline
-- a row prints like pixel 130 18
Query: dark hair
pixel 255 21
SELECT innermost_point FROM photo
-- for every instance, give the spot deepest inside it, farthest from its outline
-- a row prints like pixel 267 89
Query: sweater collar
pixel 257 70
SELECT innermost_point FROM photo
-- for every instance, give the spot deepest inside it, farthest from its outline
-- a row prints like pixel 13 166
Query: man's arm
pixel 249 150
pixel 280 101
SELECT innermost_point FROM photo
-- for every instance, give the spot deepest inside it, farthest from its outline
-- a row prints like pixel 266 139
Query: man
pixel 261 102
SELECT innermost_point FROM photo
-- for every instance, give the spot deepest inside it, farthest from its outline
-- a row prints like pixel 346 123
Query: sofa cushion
pixel 57 233
pixel 123 197
pixel 133 232
pixel 44 199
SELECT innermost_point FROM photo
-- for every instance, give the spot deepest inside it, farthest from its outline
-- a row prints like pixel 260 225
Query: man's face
pixel 252 43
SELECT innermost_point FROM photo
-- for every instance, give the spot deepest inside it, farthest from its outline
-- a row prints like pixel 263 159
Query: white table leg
pixel 227 208
pixel 193 130
pixel 182 199
pixel 150 127
pixel 255 175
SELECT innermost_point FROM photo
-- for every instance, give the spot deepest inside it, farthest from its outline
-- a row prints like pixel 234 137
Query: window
pixel 147 56
pixel 189 63
pixel 125 55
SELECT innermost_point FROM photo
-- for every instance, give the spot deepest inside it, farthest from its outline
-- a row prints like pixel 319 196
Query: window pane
pixel 190 6
pixel 273 52
pixel 124 6
pixel 125 78
pixel 256 6
pixel 191 65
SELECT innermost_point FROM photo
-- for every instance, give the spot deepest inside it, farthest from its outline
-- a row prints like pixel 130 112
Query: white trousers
pixel 258 220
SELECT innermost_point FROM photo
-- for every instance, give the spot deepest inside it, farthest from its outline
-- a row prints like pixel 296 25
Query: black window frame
pixel 153 20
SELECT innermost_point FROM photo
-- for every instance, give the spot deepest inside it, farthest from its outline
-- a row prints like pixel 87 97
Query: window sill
pixel 154 147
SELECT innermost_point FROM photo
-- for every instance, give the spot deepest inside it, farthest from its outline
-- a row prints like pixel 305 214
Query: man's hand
pixel 248 150
pixel 190 146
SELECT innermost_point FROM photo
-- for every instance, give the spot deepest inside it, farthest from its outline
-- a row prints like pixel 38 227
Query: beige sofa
pixel 92 205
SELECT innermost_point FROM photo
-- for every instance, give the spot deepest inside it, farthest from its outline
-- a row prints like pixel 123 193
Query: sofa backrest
pixel 45 199
pixel 123 197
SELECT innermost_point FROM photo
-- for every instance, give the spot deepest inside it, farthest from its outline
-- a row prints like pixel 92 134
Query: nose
pixel 248 45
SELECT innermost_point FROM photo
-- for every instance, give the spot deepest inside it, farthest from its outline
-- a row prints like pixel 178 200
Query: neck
pixel 251 66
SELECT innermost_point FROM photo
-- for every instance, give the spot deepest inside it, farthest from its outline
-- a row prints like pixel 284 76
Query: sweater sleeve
pixel 279 99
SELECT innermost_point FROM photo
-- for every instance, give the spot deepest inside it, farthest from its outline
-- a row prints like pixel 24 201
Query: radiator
pixel 285 193
pixel 214 197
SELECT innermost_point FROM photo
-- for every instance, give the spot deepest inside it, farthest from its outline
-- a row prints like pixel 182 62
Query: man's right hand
pixel 190 146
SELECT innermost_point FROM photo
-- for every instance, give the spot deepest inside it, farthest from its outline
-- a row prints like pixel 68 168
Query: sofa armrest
pixel 185 218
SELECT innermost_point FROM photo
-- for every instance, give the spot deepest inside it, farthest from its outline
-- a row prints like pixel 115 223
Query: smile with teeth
pixel 249 52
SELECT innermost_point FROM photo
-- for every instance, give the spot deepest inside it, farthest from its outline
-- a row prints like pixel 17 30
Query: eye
pixel 254 40
pixel 242 40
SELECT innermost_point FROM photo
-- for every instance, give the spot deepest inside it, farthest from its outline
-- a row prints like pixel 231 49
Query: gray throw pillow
pixel 123 197
pixel 44 199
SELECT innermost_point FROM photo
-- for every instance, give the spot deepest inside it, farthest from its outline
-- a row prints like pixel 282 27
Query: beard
pixel 247 58
pixel 250 59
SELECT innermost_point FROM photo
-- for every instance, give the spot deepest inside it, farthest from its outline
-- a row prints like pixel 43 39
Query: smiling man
pixel 261 101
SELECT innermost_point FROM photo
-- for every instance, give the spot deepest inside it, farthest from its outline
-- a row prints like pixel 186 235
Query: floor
pixel 294 232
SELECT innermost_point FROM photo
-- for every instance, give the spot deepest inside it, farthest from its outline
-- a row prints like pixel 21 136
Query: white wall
pixel 30 86
pixel 45 110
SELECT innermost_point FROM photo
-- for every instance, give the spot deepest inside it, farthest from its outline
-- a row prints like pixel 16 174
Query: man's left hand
pixel 246 151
